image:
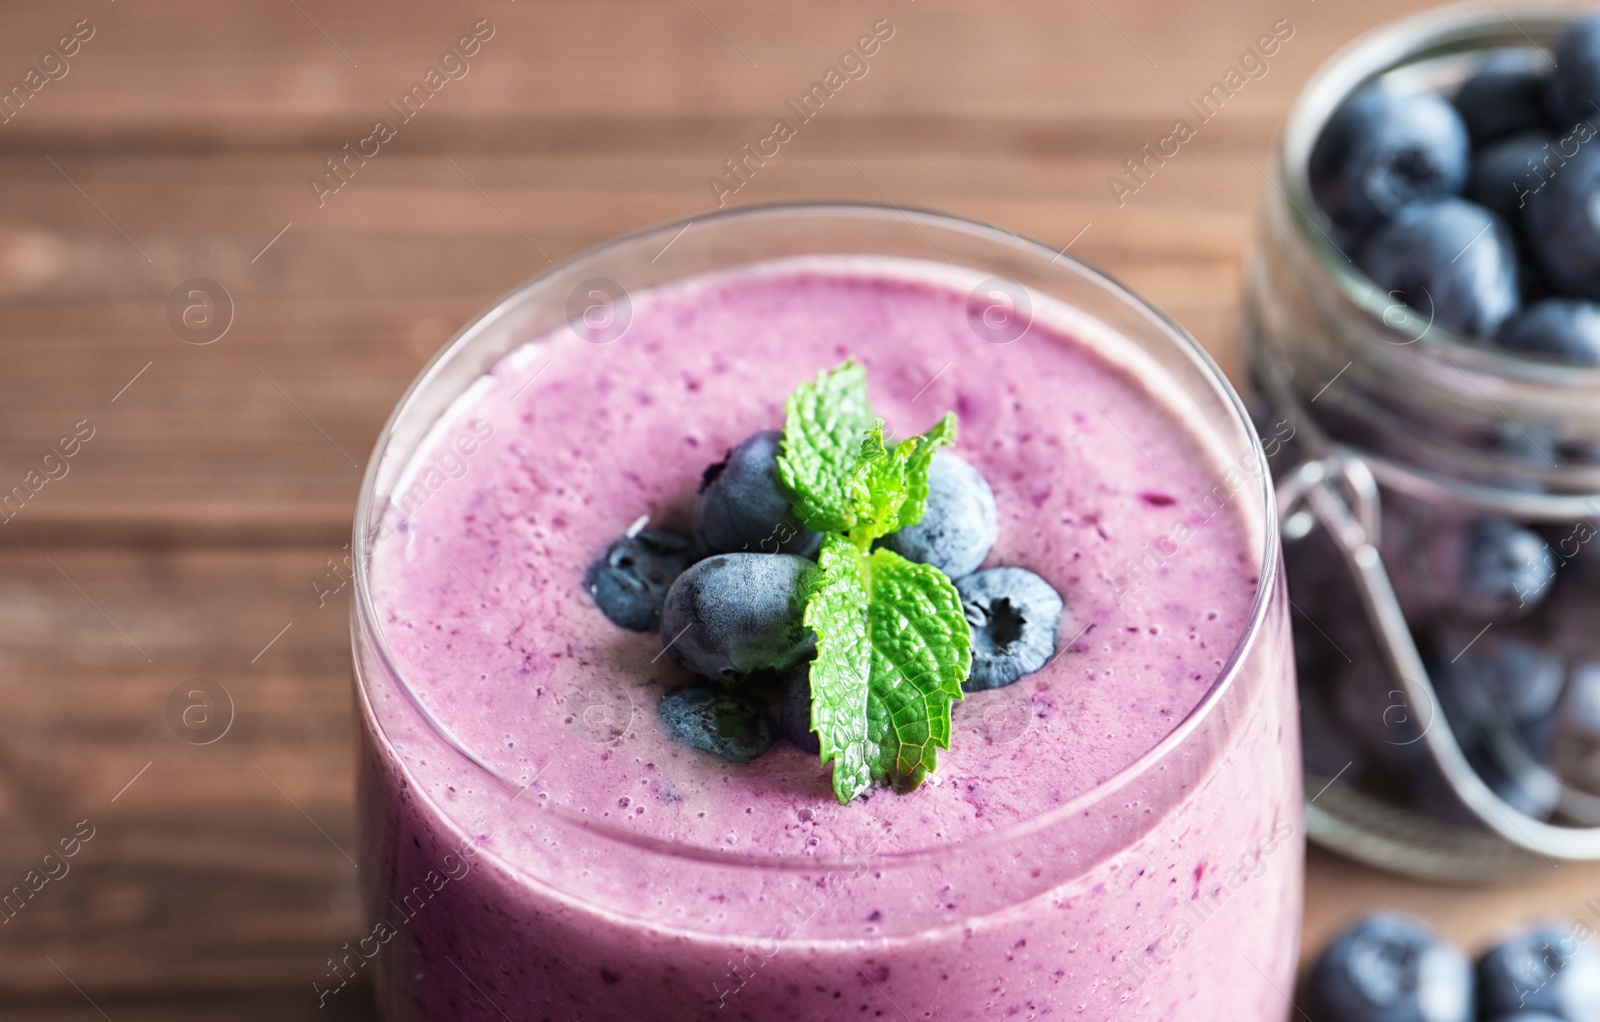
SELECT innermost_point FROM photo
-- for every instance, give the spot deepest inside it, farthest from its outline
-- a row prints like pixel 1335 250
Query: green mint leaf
pixel 921 653
pixel 877 487
pixel 917 461
pixel 893 645
pixel 892 650
pixel 889 487
pixel 822 432
pixel 840 675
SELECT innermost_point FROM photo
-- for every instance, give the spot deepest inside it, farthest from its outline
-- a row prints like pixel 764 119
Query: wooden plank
pixel 215 866
pixel 266 1005
pixel 145 172
pixel 260 437
pixel 222 77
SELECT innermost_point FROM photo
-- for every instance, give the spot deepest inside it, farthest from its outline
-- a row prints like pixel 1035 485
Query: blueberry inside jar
pixel 1422 314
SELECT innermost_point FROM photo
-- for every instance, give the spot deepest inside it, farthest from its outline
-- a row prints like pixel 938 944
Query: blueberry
pixel 1507 173
pixel 1498 697
pixel 1547 969
pixel 1014 616
pixel 1382 150
pixel 794 712
pixel 1452 261
pixel 1510 681
pixel 1471 570
pixel 1505 571
pixel 960 524
pixel 1563 223
pixel 1567 329
pixel 1575 82
pixel 1390 968
pixel 630 579
pixel 741 507
pixel 734 613
pixel 731 723
pixel 1507 94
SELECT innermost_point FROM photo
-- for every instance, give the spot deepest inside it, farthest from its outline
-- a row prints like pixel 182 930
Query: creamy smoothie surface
pixel 685 891
pixel 481 590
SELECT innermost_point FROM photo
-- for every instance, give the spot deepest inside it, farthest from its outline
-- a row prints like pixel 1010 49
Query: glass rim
pixel 1358 62
pixel 366 623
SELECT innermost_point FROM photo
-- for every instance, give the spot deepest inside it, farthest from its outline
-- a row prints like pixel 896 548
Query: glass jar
pixel 1442 735
pixel 488 902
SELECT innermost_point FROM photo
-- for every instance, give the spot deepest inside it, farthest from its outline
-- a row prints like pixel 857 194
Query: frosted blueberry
pixel 730 723
pixel 959 525
pixel 630 579
pixel 735 613
pixel 1014 616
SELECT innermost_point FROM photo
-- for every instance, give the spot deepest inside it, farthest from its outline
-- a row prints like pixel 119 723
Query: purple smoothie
pixel 1053 866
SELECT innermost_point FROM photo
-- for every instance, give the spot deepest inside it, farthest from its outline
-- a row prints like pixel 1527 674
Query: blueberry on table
pixel 629 580
pixel 1389 968
pixel 1451 260
pixel 731 723
pixel 1547 969
pixel 1575 82
pixel 960 522
pixel 1507 94
pixel 1564 329
pixel 794 712
pixel 1563 223
pixel 742 508
pixel 1014 616
pixel 731 614
pixel 1382 150
pixel 1506 173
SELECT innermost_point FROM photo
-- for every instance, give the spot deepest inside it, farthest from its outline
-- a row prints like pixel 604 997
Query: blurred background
pixel 218 277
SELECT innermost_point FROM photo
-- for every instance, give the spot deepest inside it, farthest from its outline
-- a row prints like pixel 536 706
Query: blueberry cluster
pixel 729 599
pixel 1503 614
pixel 1392 968
pixel 1481 210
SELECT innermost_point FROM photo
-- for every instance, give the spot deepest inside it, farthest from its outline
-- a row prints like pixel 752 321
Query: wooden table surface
pixel 199 532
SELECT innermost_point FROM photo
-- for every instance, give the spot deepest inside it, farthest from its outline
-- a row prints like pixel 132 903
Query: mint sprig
pixel 921 653
pixel 889 487
pixel 892 643
pixel 841 674
pixel 822 432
